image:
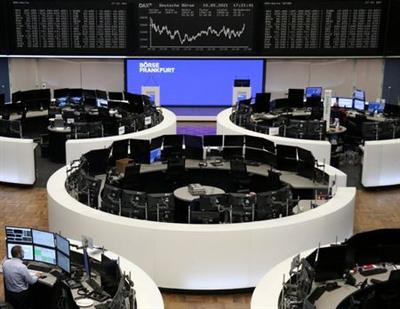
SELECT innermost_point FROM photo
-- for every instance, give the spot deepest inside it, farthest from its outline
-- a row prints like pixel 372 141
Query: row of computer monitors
pixel 40 246
pixel 162 148
pixel 40 98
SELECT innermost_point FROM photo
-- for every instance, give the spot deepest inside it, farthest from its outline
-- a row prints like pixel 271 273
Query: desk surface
pixel 296 181
pixel 183 193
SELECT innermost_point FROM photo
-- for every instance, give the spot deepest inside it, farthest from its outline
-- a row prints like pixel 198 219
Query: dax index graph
pixel 195 26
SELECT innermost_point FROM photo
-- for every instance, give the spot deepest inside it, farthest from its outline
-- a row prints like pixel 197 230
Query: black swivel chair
pixel 88 191
pixel 175 172
pixel 111 199
pixel 131 176
pixel 240 176
pixel 134 204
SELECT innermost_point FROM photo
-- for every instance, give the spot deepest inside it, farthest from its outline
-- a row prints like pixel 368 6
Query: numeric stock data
pixel 69 27
pixel 195 26
pixel 327 27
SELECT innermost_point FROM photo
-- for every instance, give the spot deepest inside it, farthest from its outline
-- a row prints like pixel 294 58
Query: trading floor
pixel 22 206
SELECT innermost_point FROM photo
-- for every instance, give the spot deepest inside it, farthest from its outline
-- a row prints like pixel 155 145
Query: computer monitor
pixel 155 155
pixel 43 238
pixel 101 103
pixel 234 140
pixel 28 250
pixel 296 97
pixel 212 140
pixel 45 255
pixel 63 262
pixel 135 102
pixel 2 99
pixel 62 244
pixel 116 96
pixel 140 151
pixel 110 275
pixel 193 147
pixel 100 94
pixel 359 104
pixel 173 141
pixel 392 109
pixel 19 234
pixel 61 93
pixel 313 92
pixel 359 94
pixel 75 96
pixel 331 263
pixel 345 102
pixel 254 142
pixel 376 107
pixel 262 102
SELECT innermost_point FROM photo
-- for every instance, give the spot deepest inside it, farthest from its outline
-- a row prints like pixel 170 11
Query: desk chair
pixel 242 207
pixel 239 175
pixel 175 172
pixel 161 207
pixel 134 204
pixel 111 199
pixel 89 192
pixel 131 176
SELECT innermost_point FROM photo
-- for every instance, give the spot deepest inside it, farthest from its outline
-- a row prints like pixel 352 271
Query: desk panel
pixel 381 163
pixel 17 160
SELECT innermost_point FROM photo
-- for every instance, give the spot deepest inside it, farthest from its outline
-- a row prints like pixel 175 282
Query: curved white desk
pixel 267 292
pixel 202 257
pixel 148 296
pixel 320 149
pixel 17 160
pixel 381 163
pixel 75 148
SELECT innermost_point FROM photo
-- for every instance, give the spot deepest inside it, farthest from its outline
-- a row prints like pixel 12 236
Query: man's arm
pixel 30 279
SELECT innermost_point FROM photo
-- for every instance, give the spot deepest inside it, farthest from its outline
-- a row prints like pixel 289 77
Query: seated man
pixel 17 279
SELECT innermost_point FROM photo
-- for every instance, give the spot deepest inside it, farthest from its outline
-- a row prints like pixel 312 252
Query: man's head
pixel 17 252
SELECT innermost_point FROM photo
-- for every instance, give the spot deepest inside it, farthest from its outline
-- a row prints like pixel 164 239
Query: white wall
pixel 31 73
pixel 340 75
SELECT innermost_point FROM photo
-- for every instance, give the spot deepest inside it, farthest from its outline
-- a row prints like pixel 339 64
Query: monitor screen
pixel 155 155
pixel 212 140
pixel 19 234
pixel 313 92
pixel 62 244
pixel 63 262
pixel 102 103
pixel 28 250
pixel 43 238
pixel 359 94
pixel 359 104
pixel 234 140
pixel 45 255
pixel 376 106
pixel 193 82
pixel 345 102
pixel 333 101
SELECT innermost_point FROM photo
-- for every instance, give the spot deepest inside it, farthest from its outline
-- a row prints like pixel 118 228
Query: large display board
pixel 69 27
pixel 200 28
pixel 193 82
pixel 195 26
pixel 325 27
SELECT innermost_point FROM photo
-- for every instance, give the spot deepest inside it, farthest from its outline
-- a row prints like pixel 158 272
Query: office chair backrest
pixel 131 198
pixel 238 167
pixel 111 193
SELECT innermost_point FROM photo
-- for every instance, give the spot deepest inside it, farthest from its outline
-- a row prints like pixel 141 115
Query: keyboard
pixel 373 271
pixel 41 268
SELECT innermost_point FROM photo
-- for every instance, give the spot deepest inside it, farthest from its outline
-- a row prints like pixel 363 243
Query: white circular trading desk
pixel 320 149
pixel 148 296
pixel 75 148
pixel 267 292
pixel 183 193
pixel 202 257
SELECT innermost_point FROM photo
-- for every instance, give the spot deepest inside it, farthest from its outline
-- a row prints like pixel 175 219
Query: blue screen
pixel 193 82
pixel 313 92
